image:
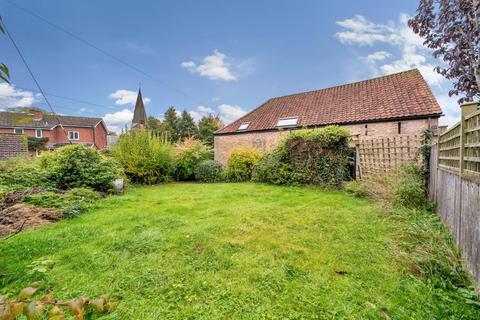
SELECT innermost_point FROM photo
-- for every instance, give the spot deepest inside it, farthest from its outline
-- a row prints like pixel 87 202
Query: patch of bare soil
pixel 20 217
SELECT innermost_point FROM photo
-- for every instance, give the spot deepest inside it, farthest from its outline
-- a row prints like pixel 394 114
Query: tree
pixel 158 128
pixel 452 29
pixel 154 124
pixel 4 72
pixel 186 126
pixel 171 124
pixel 207 126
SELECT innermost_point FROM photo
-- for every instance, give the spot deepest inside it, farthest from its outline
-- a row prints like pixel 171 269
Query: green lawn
pixel 230 251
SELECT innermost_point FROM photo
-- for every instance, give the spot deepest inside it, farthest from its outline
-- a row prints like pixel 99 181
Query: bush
pixel 311 156
pixel 270 168
pixel 410 191
pixel 77 166
pixel 240 164
pixel 145 158
pixel 47 199
pixel 72 203
pixel 188 154
pixel 22 173
pixel 401 187
pixel 82 194
pixel 208 171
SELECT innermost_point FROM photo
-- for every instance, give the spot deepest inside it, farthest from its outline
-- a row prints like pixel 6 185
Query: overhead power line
pixel 7 31
pixel 106 53
pixel 65 98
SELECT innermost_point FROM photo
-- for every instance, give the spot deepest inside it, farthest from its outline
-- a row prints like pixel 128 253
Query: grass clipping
pixel 423 244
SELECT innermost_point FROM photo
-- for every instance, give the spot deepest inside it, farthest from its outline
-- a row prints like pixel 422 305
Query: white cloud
pixel 116 121
pixel 409 46
pixel 10 97
pixel 213 67
pixel 230 113
pixel 378 56
pixel 200 112
pixel 358 30
pixel 450 108
pixel 227 112
pixel 123 97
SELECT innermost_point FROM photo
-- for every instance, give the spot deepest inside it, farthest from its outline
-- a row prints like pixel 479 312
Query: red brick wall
pixel 57 135
pixel 100 136
pixel 12 145
pixel 267 140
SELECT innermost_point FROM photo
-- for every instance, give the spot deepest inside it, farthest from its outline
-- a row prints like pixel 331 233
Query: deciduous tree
pixel 452 29
pixel 207 126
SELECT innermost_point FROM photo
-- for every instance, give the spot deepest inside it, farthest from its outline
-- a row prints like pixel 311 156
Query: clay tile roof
pixel 403 95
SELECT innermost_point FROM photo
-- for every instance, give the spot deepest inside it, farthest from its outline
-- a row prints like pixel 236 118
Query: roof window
pixel 244 126
pixel 287 122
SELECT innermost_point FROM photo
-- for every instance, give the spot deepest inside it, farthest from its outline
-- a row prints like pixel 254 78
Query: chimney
pixel 37 115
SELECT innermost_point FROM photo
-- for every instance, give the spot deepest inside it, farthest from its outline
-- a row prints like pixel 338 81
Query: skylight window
pixel 244 126
pixel 287 122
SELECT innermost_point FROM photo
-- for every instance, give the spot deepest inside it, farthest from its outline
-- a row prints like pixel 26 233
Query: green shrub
pixel 73 202
pixel 188 154
pixel 47 199
pixel 78 201
pixel 208 171
pixel 22 173
pixel 240 164
pixel 82 194
pixel 145 158
pixel 78 166
pixel 410 191
pixel 311 156
pixel 400 187
pixel 270 168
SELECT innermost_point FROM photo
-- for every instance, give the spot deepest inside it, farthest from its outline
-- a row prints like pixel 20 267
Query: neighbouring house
pixel 392 105
pixel 59 130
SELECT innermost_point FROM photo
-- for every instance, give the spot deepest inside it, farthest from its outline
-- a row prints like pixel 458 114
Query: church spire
pixel 139 115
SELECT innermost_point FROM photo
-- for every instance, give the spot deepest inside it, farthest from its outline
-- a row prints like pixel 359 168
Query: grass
pixel 232 251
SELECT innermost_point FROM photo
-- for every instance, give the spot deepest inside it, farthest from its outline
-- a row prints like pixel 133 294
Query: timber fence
pixel 454 183
pixel 381 154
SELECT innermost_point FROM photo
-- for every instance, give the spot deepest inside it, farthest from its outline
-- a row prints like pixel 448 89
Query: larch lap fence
pixel 381 154
pixel 455 183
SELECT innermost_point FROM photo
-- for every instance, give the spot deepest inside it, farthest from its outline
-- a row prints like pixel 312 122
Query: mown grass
pixel 232 251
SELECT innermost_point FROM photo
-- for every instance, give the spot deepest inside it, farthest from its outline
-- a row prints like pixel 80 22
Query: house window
pixel 287 122
pixel 366 129
pixel 399 128
pixel 18 130
pixel 73 135
pixel 244 126
pixel 38 133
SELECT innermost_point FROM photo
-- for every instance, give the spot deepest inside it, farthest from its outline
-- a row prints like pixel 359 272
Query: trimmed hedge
pixel 308 157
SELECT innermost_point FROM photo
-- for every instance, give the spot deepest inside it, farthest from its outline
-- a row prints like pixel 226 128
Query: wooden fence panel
pixel 454 184
pixel 381 154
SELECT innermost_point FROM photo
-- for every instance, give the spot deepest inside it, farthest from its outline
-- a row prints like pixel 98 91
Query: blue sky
pixel 225 57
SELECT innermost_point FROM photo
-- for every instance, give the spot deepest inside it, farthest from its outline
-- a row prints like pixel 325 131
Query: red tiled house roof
pixel 403 95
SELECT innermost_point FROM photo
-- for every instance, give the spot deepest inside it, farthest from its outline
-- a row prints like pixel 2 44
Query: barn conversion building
pixel 396 104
